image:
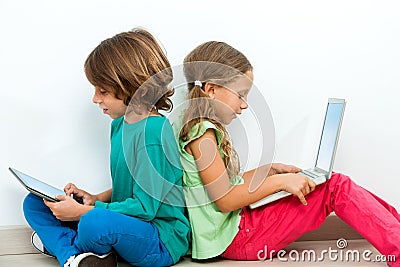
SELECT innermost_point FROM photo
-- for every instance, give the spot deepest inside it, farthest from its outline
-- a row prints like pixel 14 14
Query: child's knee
pixel 92 226
pixel 32 202
pixel 92 222
pixel 339 179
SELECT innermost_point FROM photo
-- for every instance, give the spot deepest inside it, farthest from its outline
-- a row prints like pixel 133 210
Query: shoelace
pixel 69 261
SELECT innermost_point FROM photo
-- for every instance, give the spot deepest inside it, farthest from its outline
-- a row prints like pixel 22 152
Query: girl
pixel 141 217
pixel 219 78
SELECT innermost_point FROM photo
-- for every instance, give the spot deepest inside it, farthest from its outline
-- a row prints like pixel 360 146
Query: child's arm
pixel 85 197
pixel 67 209
pixel 268 170
pixel 104 196
pixel 256 176
pixel 228 198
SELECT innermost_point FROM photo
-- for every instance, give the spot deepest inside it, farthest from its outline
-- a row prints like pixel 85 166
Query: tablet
pixel 37 187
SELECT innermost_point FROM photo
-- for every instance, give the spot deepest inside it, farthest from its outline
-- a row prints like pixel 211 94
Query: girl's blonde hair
pixel 123 63
pixel 217 63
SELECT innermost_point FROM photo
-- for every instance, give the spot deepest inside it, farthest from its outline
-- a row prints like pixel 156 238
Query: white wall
pixel 303 52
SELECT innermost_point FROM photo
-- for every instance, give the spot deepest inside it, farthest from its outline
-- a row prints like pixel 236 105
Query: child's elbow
pixel 225 207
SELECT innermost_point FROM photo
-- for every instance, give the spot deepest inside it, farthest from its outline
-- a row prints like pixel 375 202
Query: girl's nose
pixel 244 105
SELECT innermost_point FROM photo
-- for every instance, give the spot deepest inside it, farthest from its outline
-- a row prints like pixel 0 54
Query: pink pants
pixel 278 224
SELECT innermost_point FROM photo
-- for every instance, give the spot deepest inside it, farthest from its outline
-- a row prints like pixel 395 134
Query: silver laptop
pixel 322 169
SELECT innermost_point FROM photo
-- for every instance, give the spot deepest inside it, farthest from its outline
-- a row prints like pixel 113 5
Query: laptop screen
pixel 330 135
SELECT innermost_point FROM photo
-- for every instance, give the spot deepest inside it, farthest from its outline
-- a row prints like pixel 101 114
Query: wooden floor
pixel 16 250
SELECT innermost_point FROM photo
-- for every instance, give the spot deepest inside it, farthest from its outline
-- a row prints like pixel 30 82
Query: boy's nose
pixel 96 99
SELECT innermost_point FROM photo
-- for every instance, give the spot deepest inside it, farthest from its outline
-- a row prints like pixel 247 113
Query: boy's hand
pixel 81 196
pixel 67 209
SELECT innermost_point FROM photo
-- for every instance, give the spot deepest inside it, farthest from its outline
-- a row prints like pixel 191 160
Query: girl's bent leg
pixel 56 236
pixel 134 240
pixel 373 218
pixel 278 224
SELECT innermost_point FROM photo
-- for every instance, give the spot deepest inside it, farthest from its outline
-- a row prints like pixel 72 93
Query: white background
pixel 303 52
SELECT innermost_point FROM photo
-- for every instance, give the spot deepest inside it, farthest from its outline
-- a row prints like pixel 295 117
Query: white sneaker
pixel 90 259
pixel 37 243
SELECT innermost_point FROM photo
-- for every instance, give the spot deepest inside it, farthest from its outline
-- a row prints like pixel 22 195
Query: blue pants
pixel 98 231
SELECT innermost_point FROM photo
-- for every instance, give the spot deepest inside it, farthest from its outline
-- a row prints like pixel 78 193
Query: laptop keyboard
pixel 312 174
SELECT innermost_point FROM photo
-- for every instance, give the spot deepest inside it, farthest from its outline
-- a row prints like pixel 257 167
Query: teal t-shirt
pixel 212 229
pixel 147 179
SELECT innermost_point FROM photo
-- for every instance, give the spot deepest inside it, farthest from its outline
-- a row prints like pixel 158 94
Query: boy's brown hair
pixel 123 63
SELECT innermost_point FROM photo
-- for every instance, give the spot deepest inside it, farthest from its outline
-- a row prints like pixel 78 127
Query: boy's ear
pixel 209 89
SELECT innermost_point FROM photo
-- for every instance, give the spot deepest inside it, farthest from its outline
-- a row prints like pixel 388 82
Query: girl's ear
pixel 209 89
pixel 143 92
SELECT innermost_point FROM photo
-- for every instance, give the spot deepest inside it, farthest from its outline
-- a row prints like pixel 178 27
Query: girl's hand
pixel 67 209
pixel 297 185
pixel 80 195
pixel 278 168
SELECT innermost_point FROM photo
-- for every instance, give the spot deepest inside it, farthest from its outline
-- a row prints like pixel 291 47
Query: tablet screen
pixel 37 187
